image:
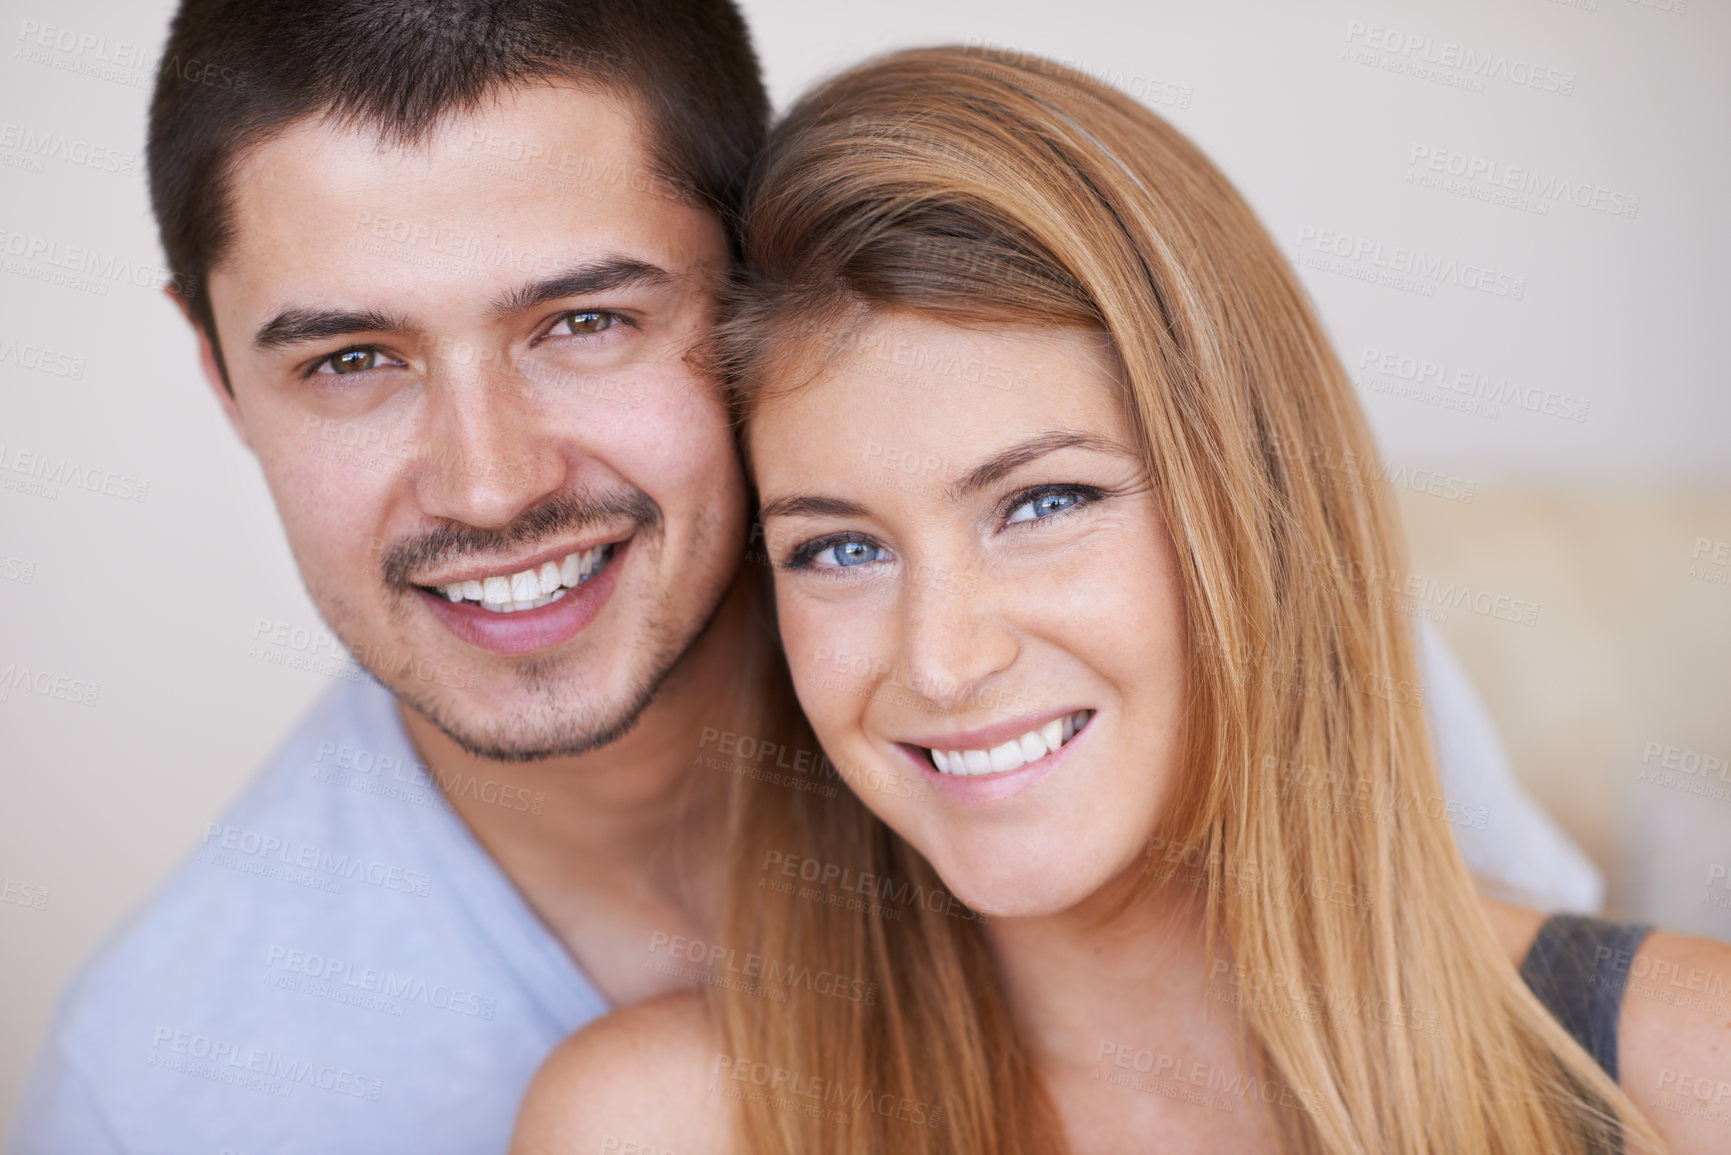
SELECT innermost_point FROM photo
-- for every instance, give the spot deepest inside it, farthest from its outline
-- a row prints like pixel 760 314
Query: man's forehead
pixel 531 125
pixel 530 181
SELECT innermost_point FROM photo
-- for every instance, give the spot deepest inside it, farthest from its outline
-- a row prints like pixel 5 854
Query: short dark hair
pixel 235 72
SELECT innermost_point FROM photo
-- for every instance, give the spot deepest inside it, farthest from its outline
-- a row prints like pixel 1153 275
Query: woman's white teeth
pixel 1053 733
pixel 1013 755
pixel 531 588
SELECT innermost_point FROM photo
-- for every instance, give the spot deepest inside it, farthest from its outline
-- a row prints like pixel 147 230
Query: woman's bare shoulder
pixel 1673 1028
pixel 1674 1038
pixel 635 1080
pixel 1514 926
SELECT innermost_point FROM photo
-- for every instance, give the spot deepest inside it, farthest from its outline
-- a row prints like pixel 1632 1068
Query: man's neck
pixel 626 840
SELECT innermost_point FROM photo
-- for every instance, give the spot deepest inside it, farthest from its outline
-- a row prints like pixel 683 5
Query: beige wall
pixel 1630 647
pixel 157 601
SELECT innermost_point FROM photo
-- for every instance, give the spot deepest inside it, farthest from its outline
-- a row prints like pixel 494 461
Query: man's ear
pixel 212 370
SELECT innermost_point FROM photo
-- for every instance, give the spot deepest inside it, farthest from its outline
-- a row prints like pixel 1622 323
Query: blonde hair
pixel 978 188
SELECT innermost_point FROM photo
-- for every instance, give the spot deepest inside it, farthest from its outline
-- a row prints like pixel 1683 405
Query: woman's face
pixel 980 601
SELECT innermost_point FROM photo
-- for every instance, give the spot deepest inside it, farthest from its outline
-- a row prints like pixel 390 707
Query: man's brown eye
pixel 581 323
pixel 353 360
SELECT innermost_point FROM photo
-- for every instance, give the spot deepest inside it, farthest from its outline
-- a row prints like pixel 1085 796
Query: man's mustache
pixel 565 513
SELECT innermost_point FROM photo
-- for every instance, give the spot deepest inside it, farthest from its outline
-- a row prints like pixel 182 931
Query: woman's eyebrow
pixel 1005 461
pixel 809 505
pixel 994 468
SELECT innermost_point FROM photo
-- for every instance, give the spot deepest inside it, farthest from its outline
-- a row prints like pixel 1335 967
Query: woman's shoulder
pixel 1674 1037
pixel 1667 1001
pixel 634 1080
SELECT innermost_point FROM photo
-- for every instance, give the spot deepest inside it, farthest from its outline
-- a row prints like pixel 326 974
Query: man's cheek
pixel 331 510
pixel 689 414
pixel 680 452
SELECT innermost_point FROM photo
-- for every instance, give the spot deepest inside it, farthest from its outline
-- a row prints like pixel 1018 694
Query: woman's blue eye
pixel 845 554
pixel 1045 504
pixel 850 553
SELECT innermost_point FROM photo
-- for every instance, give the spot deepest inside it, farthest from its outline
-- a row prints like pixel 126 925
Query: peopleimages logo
pixel 336 978
pixel 39 145
pixel 1489 177
pixel 1425 269
pixel 722 963
pixel 741 1078
pixel 119 61
pixel 1386 370
pixel 47 684
pixel 92 270
pixel 42 359
pixel 267 855
pixel 1459 64
pixel 52 472
pixel 253 1068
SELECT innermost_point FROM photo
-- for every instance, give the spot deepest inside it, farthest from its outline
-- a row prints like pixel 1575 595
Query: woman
pixel 1084 594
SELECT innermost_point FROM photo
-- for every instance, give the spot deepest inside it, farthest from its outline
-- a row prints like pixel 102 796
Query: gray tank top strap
pixel 1578 967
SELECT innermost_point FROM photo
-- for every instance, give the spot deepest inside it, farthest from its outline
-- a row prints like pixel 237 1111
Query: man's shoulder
pixel 288 957
pixel 289 825
pixel 644 1075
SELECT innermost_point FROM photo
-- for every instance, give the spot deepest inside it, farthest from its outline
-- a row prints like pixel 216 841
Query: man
pixel 446 260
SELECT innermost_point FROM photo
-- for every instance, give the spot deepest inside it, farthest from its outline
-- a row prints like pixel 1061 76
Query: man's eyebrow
pixel 1001 464
pixel 581 280
pixel 299 326
pixel 809 505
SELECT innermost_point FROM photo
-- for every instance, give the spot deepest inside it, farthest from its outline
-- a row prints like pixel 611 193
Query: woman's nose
pixel 953 641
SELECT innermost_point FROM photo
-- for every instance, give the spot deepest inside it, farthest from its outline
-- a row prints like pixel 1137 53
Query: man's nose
pixel 486 455
pixel 953 642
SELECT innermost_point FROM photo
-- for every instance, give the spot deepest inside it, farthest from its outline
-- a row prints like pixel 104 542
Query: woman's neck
pixel 1081 978
pixel 1121 1026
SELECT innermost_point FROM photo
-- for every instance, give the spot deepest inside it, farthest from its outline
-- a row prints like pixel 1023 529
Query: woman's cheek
pixel 1099 594
pixel 835 653
pixel 816 657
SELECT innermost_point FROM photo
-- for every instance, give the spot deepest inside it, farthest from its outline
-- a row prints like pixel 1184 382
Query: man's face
pixel 462 364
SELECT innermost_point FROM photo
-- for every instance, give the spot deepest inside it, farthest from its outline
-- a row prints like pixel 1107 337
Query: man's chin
pixel 541 708
pixel 532 731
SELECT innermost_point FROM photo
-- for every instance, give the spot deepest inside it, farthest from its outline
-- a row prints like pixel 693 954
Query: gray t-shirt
pixel 342 968
pixel 339 967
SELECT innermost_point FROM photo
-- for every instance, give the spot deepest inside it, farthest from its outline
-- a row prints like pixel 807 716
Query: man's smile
pixel 529 588
pixel 542 604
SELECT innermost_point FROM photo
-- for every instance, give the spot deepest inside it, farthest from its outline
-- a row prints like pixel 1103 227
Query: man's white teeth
pixel 570 569
pixel 531 588
pixel 1015 754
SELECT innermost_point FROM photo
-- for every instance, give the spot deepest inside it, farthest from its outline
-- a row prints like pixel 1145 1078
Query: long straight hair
pixel 981 189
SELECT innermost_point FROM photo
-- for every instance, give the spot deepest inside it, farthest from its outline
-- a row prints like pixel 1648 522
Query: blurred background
pixel 1510 214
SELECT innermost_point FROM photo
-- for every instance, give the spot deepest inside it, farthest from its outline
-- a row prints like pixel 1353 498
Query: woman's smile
pixel 973 754
pixel 964 770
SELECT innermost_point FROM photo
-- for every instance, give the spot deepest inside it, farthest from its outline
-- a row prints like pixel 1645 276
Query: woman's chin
pixel 1020 893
